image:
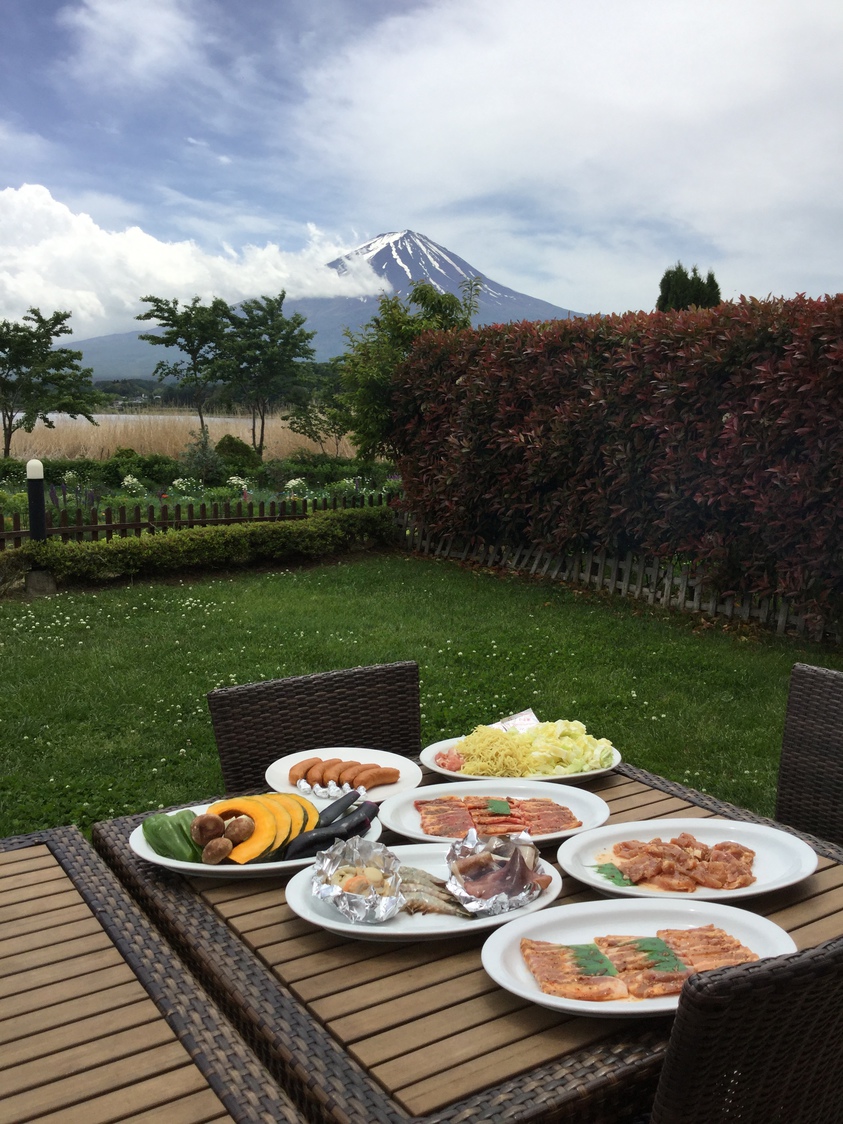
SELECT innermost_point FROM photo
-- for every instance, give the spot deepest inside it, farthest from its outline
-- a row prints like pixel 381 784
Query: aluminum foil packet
pixel 493 874
pixel 360 878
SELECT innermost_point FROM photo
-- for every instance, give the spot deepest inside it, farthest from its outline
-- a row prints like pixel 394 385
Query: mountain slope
pixel 398 258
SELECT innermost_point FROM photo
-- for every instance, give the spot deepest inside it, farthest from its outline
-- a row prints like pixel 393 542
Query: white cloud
pixel 121 43
pixel 53 258
pixel 654 127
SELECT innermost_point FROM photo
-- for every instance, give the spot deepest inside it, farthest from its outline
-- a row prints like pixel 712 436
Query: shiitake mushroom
pixel 216 850
pixel 205 828
pixel 239 828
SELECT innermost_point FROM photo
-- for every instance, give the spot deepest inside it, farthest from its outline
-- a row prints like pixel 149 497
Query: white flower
pixel 296 482
pixel 132 486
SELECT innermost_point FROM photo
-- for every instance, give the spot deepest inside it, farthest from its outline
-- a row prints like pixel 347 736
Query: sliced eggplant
pixel 320 838
pixel 335 810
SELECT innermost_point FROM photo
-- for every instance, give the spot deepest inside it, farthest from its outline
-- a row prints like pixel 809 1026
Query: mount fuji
pixel 398 258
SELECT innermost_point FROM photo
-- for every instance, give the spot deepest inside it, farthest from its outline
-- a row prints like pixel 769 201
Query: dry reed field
pixel 148 433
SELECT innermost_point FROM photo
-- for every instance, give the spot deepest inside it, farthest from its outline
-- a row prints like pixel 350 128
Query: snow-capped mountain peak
pixel 405 256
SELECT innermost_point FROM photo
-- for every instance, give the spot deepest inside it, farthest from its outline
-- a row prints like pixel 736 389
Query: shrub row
pixel 157 471
pixel 712 434
pixel 233 546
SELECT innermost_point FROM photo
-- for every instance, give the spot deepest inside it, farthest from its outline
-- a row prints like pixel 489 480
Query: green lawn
pixel 103 693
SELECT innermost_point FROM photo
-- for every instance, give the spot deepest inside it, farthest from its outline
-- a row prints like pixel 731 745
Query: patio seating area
pixel 129 992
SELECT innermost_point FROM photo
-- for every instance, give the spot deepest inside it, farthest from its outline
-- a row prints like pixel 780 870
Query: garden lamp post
pixel 40 583
pixel 35 489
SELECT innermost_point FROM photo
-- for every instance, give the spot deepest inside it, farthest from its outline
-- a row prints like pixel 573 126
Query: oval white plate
pixel 408 926
pixel 780 859
pixel 138 843
pixel 428 758
pixel 277 773
pixel 399 812
pixel 581 923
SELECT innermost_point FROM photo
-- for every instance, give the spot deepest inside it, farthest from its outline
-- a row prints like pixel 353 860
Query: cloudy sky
pixel 570 151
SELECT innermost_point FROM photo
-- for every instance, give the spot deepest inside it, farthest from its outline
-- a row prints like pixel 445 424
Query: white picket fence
pixel 650 579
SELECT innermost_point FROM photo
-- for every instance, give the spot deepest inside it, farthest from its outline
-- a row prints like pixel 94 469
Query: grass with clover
pixel 104 709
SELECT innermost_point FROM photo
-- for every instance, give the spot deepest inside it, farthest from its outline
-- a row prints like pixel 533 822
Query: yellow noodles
pixel 548 749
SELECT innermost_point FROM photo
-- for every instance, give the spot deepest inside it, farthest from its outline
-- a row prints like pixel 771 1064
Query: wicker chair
pixel 255 724
pixel 810 788
pixel 760 1043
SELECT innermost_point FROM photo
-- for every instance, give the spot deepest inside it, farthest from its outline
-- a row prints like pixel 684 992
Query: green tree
pixel 38 379
pixel 267 359
pixel 197 330
pixel 324 417
pixel 382 344
pixel 680 289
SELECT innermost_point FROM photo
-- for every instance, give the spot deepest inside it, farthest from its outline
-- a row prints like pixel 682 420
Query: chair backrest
pixel 374 707
pixel 760 1043
pixel 810 786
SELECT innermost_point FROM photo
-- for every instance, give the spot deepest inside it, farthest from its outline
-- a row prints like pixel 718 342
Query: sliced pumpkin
pixel 310 808
pixel 283 820
pixel 296 811
pixel 266 830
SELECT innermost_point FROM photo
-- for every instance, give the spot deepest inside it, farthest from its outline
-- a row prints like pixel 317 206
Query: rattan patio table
pixel 362 1031
pixel 100 1021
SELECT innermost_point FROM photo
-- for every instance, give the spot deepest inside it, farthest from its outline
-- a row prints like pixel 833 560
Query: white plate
pixel 278 772
pixel 428 758
pixel 580 924
pixel 780 859
pixel 408 926
pixel 138 843
pixel 399 812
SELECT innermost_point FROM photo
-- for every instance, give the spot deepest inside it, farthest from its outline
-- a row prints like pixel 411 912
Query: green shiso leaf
pixel 590 961
pixel 611 872
pixel 499 807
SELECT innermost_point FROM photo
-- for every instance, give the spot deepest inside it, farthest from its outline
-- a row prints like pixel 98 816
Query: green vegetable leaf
pixel 499 807
pixel 614 875
pixel 590 960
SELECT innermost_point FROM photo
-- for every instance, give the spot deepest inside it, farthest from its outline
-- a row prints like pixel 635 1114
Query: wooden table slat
pixel 12 912
pixel 519 1056
pixel 441 981
pixel 195 1108
pixel 422 1029
pixel 65 935
pixel 21 1027
pixel 104 1079
pixel 53 992
pixel 71 1036
pixel 74 910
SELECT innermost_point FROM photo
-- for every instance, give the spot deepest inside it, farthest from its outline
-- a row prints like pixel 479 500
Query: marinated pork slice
pixel 684 863
pixel 706 947
pixel 647 966
pixel 573 971
pixel 445 816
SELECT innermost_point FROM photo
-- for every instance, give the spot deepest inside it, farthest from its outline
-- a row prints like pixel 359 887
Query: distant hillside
pixel 399 258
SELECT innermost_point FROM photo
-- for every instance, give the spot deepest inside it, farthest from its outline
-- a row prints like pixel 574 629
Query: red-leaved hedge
pixel 712 434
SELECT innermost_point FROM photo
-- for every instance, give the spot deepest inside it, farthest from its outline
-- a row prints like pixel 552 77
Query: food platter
pixel 781 859
pixel 405 926
pixel 429 753
pixel 400 814
pixel 581 923
pixel 138 843
pixel 277 774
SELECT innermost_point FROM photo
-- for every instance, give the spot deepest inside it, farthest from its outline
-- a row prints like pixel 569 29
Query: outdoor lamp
pixel 35 490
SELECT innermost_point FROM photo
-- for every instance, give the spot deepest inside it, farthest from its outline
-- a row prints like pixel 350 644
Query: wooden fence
pixel 82 525
pixel 653 580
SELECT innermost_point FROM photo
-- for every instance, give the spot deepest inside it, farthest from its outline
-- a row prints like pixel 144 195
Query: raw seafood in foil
pixel 361 878
pixel 496 874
